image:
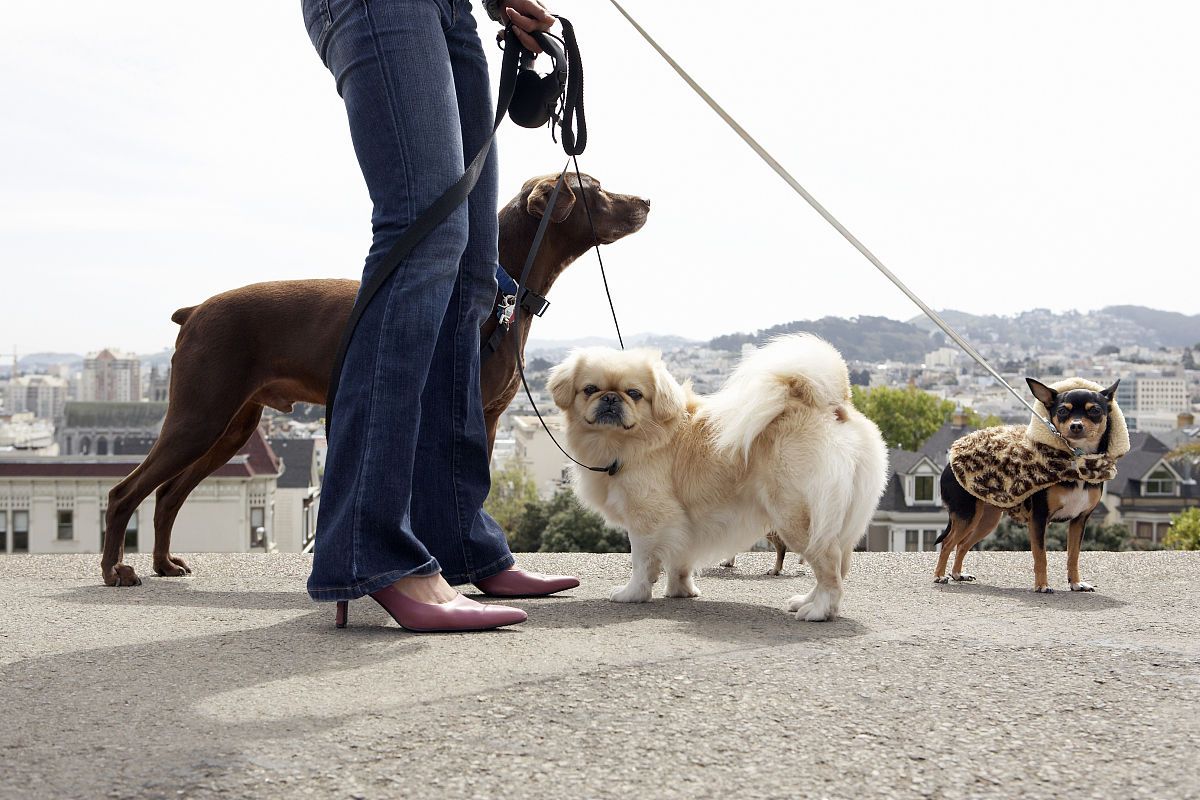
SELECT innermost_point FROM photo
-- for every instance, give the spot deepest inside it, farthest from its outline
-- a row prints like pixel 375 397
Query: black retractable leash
pixel 531 101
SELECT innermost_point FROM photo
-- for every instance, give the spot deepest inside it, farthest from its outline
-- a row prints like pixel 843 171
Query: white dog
pixel 780 447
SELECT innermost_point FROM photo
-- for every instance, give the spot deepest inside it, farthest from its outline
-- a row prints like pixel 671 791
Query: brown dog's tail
pixel 181 316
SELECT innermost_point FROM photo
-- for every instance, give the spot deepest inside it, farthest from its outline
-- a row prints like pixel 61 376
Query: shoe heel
pixel 343 611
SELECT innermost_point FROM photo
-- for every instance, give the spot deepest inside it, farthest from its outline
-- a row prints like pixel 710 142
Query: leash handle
pixel 573 104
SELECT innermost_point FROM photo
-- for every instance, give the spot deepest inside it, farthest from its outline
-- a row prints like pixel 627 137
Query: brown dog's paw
pixel 171 567
pixel 1043 590
pixel 121 575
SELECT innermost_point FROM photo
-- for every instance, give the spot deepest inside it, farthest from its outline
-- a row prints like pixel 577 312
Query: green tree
pixel 906 417
pixel 571 528
pixel 512 488
pixel 1184 533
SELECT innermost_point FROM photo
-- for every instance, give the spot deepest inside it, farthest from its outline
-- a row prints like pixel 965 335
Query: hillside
pixel 871 339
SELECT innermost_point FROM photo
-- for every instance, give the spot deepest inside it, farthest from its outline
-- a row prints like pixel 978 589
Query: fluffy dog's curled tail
pixel 800 369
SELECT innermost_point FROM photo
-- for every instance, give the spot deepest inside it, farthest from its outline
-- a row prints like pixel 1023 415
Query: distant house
pixel 910 514
pixel 1148 489
pixel 56 504
pixel 297 494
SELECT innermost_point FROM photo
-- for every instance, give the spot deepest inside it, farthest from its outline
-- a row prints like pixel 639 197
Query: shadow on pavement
pixel 1060 600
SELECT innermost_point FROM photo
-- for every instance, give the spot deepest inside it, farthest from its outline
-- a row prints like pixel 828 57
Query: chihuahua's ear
pixel 1042 392
pixel 539 196
pixel 1111 391
pixel 561 382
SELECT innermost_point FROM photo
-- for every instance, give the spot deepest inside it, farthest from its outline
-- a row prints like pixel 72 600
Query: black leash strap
pixel 451 199
pixel 573 104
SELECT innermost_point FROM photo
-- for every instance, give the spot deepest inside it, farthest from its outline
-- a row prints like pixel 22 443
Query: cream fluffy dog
pixel 779 447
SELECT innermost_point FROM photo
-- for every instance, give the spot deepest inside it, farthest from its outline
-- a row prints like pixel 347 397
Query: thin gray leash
pixel 838 226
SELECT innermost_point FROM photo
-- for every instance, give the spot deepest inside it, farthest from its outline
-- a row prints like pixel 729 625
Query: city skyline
pixel 991 162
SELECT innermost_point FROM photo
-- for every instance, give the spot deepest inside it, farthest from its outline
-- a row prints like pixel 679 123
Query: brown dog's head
pixel 614 216
pixel 618 395
pixel 1080 415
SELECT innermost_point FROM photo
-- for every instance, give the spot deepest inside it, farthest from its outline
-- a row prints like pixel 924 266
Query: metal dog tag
pixel 507 307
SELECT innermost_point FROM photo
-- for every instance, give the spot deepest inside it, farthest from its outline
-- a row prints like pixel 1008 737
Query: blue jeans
pixel 406 473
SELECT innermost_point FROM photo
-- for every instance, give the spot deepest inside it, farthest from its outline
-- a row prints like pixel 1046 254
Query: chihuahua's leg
pixel 986 520
pixel 647 564
pixel 1074 538
pixel 1037 543
pixel 954 526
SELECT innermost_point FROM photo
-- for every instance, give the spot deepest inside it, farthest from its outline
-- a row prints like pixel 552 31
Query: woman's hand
pixel 526 17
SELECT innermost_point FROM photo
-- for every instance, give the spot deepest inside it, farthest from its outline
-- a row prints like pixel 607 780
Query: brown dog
pixel 274 344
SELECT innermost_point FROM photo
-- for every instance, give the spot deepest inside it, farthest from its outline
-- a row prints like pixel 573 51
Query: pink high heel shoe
pixel 519 583
pixel 460 614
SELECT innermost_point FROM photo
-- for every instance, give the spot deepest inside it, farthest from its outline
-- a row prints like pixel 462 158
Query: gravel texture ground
pixel 231 684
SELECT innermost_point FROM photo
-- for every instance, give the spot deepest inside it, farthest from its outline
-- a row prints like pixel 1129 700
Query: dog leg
pixel 986 520
pixel 780 552
pixel 728 562
pixel 647 565
pixel 958 528
pixel 822 602
pixel 172 494
pixel 1074 539
pixel 185 437
pixel 680 582
pixel 1037 542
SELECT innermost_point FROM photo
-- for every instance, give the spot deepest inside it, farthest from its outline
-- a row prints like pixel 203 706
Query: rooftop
pixel 232 683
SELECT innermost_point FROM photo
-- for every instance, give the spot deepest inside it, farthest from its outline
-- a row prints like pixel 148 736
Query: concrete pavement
pixel 231 683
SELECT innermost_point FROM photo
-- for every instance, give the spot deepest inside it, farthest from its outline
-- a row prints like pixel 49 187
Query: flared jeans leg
pixel 406 472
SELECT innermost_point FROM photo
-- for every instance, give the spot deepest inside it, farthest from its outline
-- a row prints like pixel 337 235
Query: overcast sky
pixel 996 156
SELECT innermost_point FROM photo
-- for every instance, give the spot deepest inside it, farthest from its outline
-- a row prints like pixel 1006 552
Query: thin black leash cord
pixel 596 247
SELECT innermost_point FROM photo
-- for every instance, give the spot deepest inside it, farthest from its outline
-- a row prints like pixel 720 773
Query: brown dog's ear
pixel 561 383
pixel 1042 392
pixel 540 195
pixel 669 398
pixel 1111 391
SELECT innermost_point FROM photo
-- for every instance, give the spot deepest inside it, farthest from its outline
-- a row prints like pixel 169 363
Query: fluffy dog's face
pixel 616 393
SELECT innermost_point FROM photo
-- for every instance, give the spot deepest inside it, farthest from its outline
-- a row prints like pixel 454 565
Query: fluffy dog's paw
pixel 1082 587
pixel 630 594
pixel 121 575
pixel 1043 590
pixel 682 589
pixel 796 601
pixel 814 612
pixel 943 579
pixel 171 567
pixel 963 577
pixel 726 563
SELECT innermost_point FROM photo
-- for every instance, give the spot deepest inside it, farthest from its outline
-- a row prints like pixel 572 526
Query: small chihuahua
pixel 1082 417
